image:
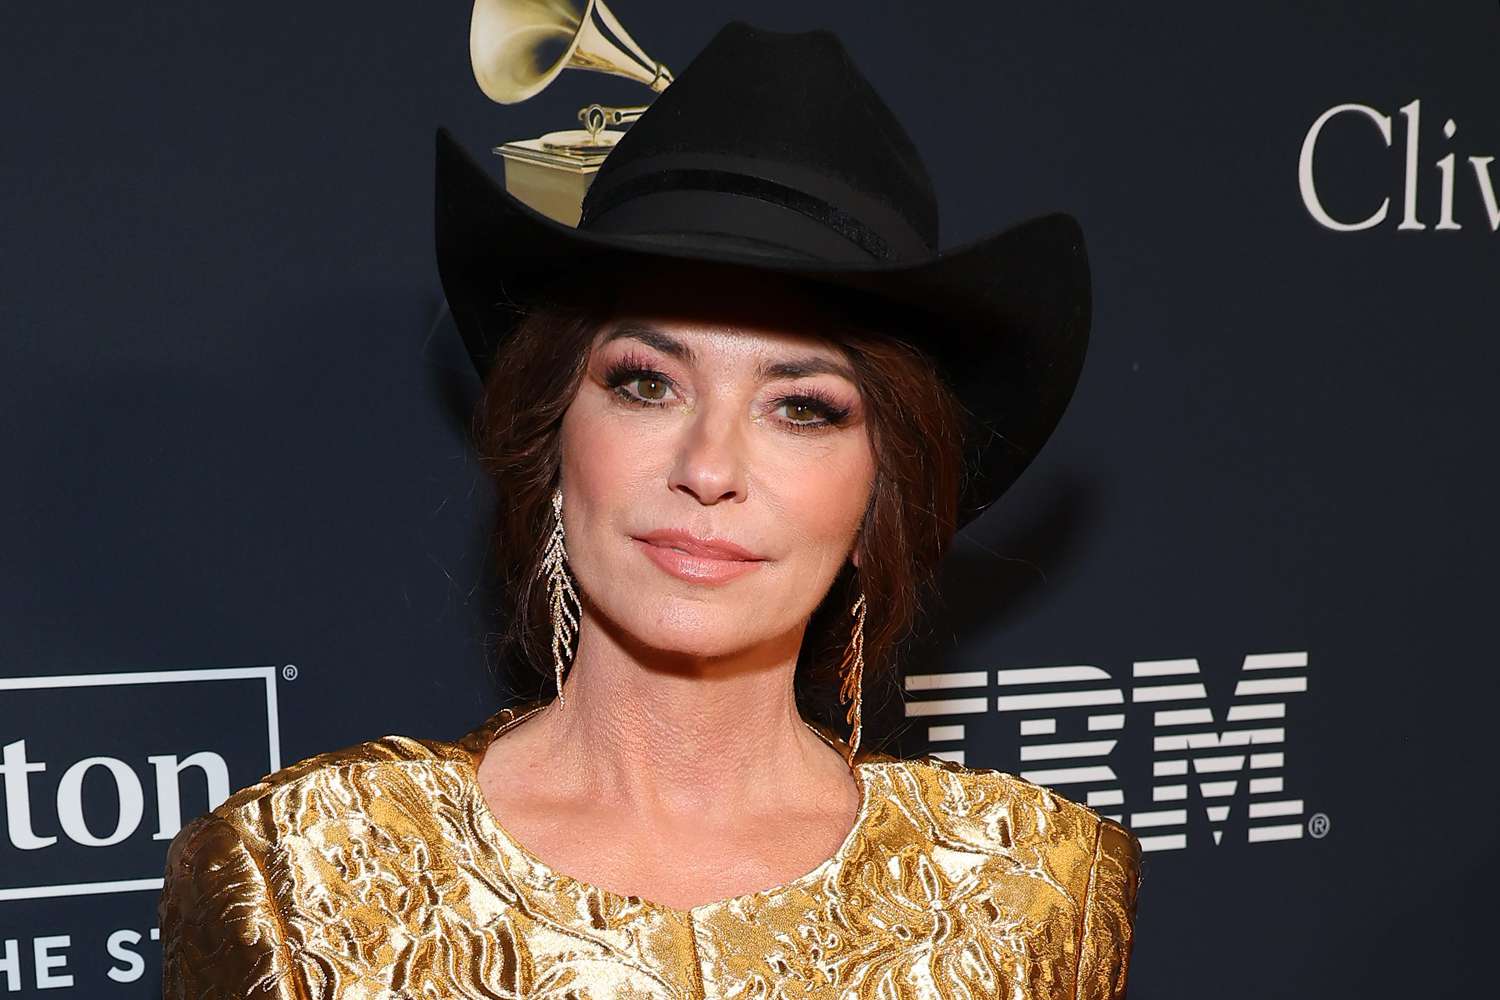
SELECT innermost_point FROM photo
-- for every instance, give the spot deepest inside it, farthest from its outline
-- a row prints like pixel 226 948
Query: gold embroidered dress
pixel 380 873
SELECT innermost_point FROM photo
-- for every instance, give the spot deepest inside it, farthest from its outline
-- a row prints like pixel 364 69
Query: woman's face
pixel 711 412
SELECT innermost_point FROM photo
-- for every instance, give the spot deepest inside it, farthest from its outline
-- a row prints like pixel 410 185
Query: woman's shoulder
pixel 345 783
pixel 1002 811
pixel 1006 838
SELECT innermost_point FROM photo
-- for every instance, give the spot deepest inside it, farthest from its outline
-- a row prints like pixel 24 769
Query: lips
pixel 702 561
pixel 702 548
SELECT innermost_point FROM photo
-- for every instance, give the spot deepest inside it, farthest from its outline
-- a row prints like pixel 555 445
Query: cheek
pixel 606 462
pixel 817 490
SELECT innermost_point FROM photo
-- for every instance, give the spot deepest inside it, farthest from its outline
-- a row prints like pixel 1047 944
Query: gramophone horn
pixel 517 47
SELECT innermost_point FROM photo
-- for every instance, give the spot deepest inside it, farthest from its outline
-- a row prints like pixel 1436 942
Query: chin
pixel 666 620
pixel 701 625
pixel 674 616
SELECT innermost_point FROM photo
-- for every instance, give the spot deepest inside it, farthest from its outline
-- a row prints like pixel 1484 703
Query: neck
pixel 682 732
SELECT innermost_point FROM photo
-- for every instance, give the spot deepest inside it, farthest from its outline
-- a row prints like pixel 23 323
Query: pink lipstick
pixel 697 560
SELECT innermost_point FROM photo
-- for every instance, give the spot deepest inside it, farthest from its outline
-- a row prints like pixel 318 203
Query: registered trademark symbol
pixel 289 672
pixel 1318 824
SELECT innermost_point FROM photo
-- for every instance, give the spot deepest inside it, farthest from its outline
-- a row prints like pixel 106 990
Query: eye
pixel 641 386
pixel 810 412
pixel 801 411
pixel 650 387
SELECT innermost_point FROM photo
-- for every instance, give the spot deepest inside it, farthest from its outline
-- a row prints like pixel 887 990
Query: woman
pixel 734 420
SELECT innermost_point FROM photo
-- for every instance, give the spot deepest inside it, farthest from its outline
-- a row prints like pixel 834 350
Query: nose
pixel 710 464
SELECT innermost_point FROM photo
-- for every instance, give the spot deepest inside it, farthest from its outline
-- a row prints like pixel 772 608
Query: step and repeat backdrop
pixel 1243 602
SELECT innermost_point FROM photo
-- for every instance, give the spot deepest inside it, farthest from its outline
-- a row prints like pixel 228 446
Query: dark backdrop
pixel 241 523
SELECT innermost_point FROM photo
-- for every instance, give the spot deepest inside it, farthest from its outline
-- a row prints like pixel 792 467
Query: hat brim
pixel 1011 309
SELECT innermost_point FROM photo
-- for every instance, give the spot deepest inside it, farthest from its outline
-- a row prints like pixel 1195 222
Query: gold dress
pixel 380 873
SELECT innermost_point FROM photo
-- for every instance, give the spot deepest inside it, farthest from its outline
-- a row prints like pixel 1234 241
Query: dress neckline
pixel 477 743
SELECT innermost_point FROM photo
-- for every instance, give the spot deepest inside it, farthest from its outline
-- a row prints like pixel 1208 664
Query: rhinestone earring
pixel 560 593
pixel 851 671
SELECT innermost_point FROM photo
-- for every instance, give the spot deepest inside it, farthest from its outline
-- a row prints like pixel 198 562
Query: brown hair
pixel 915 426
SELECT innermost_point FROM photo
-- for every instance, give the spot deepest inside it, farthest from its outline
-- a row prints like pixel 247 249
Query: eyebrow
pixel 655 337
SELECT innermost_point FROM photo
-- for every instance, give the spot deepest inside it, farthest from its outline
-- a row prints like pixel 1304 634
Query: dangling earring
pixel 559 593
pixel 851 670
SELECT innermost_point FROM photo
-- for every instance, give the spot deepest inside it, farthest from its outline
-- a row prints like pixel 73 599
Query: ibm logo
pixel 1188 746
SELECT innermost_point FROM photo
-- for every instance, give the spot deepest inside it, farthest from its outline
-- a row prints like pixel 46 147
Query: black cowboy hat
pixel 772 151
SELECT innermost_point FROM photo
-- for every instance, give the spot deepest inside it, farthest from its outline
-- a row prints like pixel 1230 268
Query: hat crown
pixel 762 133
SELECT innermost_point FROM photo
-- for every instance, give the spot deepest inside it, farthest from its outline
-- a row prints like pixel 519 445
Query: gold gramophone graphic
pixel 517 48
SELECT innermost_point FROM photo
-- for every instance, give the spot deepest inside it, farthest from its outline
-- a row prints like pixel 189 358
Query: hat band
pixel 828 215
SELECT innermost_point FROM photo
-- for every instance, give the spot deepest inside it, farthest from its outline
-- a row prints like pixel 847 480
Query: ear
pixel 854 557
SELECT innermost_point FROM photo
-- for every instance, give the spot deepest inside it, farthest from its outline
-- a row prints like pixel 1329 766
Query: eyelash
pixel 629 369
